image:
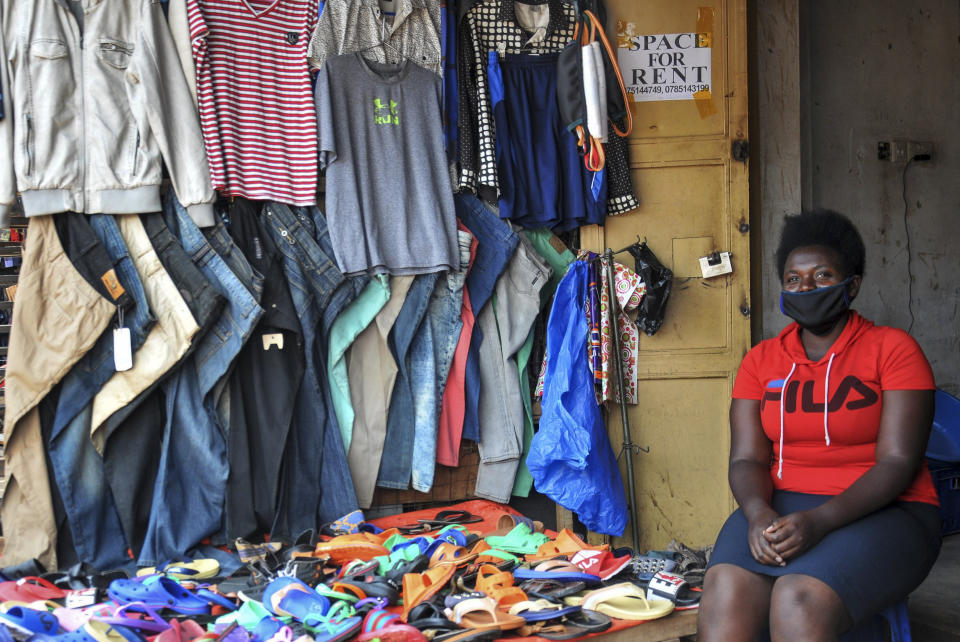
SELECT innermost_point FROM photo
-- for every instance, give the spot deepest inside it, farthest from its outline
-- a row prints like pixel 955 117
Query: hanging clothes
pixel 384 30
pixel 571 459
pixel 389 199
pixel 256 107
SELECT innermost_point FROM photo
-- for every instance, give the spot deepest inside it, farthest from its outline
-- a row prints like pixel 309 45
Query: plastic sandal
pixel 30 589
pixel 418 588
pixel 602 563
pixel 577 625
pixel 337 625
pixel 673 588
pixel 447 553
pixel 155 623
pixel 29 621
pixel 158 592
pixel 201 569
pixel 499 585
pixel 292 597
pixel 541 610
pixel 508 521
pixel 624 601
pixel 645 567
pixel 557 570
pixel 552 590
pixel 180 631
pixel 249 616
pixel 480 613
pixel 519 540
pixel 387 627
pixel 565 544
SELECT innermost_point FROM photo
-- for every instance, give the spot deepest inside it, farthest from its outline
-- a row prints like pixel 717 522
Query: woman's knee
pixel 803 607
pixel 735 604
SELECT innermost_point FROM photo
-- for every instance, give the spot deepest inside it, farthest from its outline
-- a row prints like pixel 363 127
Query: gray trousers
pixel 506 321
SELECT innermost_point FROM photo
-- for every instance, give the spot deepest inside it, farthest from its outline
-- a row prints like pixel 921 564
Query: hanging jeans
pixel 506 324
pixel 396 467
pixel 189 494
pixel 497 243
pixel 313 277
pixel 431 356
pixel 334 473
pixel 91 511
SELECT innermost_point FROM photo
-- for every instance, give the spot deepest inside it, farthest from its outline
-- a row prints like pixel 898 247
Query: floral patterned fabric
pixel 630 289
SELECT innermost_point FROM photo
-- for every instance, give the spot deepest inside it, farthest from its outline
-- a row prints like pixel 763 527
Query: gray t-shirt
pixel 389 199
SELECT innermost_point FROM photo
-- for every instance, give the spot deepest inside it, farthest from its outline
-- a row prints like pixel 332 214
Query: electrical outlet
pixel 919 151
pixel 899 151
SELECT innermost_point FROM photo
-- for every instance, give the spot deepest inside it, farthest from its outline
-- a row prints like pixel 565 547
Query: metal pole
pixel 625 420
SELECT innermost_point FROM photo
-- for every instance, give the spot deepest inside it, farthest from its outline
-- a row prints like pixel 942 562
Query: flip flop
pixel 201 569
pixel 448 517
pixel 386 627
pixel 92 631
pixel 155 623
pixel 249 615
pixel 337 625
pixel 30 589
pixel 559 571
pixel 624 601
pixel 180 631
pixel 521 539
pixel 480 613
pixel 358 546
pixel 577 625
pixel 552 590
pixel 28 621
pixel 602 563
pixel 73 619
pixel 541 610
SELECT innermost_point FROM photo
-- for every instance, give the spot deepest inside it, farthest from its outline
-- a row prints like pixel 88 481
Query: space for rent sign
pixel 666 66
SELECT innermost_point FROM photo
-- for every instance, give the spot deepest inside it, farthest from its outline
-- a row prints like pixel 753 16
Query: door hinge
pixel 740 150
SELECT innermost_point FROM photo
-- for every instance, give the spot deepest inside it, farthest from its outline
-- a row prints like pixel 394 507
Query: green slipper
pixel 520 540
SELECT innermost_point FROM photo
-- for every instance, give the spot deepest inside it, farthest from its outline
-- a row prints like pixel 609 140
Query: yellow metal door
pixel 689 167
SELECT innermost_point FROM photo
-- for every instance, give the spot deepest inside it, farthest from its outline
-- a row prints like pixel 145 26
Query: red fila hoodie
pixel 824 432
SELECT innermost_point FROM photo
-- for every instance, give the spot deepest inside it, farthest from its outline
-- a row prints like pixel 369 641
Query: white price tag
pixel 122 350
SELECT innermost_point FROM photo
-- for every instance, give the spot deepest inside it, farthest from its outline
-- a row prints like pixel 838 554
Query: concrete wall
pixel 870 71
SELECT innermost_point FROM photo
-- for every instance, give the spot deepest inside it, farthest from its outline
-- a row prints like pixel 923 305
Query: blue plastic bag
pixel 570 458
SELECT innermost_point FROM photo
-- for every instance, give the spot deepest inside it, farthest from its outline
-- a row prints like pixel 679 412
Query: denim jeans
pixel 430 359
pixel 506 324
pixel 497 245
pixel 312 277
pixel 189 494
pixel 396 466
pixel 338 497
pixel 98 536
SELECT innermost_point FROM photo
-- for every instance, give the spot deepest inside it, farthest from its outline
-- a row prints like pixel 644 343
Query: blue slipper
pixel 158 592
pixel 29 621
pixel 292 596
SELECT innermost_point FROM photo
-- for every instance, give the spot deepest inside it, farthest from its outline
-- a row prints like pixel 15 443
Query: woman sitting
pixel 838 514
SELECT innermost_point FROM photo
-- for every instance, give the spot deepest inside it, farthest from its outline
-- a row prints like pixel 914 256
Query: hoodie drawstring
pixel 783 399
pixel 826 399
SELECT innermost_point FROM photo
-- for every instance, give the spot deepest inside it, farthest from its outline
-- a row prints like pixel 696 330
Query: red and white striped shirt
pixel 256 104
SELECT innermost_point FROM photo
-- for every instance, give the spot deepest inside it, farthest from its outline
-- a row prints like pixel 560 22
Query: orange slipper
pixel 447 553
pixel 499 585
pixel 418 587
pixel 346 548
pixel 566 543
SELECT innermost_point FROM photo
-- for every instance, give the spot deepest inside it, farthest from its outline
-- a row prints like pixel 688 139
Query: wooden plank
pixel 678 624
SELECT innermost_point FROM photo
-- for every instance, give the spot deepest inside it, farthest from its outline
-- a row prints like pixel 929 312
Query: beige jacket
pixel 57 319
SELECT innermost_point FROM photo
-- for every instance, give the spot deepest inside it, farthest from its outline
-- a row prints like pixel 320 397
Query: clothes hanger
pixel 383 42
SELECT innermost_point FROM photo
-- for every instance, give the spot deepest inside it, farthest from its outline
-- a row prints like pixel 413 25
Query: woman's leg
pixel 805 608
pixel 735 605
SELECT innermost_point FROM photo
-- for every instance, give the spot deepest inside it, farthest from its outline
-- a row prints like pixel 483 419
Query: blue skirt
pixel 871 563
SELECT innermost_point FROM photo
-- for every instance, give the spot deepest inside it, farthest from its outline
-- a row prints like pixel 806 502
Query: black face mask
pixel 817 310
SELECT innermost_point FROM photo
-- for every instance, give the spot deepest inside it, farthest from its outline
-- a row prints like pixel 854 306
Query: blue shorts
pixel 871 563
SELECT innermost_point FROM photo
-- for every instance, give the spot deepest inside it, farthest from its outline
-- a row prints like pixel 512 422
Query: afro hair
pixel 825 228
